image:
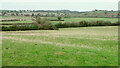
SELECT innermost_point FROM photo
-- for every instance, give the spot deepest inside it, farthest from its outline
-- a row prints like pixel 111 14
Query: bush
pixel 43 23
pixel 85 24
pixel 20 27
pixel 38 24
pixel 59 18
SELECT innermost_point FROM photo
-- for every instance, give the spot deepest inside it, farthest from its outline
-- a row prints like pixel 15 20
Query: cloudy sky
pixel 74 5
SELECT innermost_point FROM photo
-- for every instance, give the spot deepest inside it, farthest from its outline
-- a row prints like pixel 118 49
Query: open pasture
pixel 84 46
pixel 29 19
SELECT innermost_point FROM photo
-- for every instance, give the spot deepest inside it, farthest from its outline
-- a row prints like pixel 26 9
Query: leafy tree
pixel 59 18
pixel 32 14
pixel 16 13
pixel 96 10
pixel 105 12
pixel 112 16
pixel 43 23
pixel 3 13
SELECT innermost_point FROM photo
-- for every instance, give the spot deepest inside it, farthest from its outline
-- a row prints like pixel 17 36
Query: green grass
pixel 113 20
pixel 28 19
pixel 18 22
pixel 90 19
pixel 17 17
pixel 85 46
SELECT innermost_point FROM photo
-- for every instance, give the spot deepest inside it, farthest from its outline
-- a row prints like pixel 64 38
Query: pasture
pixel 84 46
pixel 29 19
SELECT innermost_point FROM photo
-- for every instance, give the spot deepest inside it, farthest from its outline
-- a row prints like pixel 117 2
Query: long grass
pixel 86 46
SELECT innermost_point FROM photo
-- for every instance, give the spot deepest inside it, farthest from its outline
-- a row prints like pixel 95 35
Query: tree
pixel 17 13
pixel 43 23
pixel 59 18
pixel 3 13
pixel 85 14
pixel 32 14
pixel 105 12
pixel 38 14
pixel 112 16
pixel 96 10
pixel 118 15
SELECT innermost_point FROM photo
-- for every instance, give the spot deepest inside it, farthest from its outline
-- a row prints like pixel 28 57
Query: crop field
pixel 84 46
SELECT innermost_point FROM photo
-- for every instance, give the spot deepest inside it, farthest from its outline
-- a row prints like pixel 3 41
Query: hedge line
pixel 27 27
pixel 85 24
pixel 48 26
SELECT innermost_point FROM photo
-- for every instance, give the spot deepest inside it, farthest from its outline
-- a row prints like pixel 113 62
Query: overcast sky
pixel 74 5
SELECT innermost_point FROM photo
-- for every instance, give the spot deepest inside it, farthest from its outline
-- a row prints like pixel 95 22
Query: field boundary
pixel 15 23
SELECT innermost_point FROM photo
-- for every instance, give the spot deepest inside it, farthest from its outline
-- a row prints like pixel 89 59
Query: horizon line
pixel 63 9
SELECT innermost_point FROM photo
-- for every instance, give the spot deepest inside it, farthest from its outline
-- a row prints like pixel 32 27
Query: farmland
pixel 84 39
pixel 29 19
pixel 84 46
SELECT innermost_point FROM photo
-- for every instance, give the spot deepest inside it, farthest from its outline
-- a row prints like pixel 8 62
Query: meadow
pixel 29 19
pixel 83 46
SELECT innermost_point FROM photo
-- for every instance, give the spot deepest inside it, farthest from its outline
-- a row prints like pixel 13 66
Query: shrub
pixel 59 25
pixel 43 23
pixel 116 24
pixel 19 27
pixel 38 24
pixel 59 18
pixel 85 24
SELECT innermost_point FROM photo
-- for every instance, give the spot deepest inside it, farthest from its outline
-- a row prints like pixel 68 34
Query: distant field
pixel 16 17
pixel 113 20
pixel 18 22
pixel 85 46
pixel 28 19
pixel 91 19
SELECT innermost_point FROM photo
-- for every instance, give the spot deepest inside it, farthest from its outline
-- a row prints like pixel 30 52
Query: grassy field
pixel 17 17
pixel 28 19
pixel 18 22
pixel 85 46
pixel 91 19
